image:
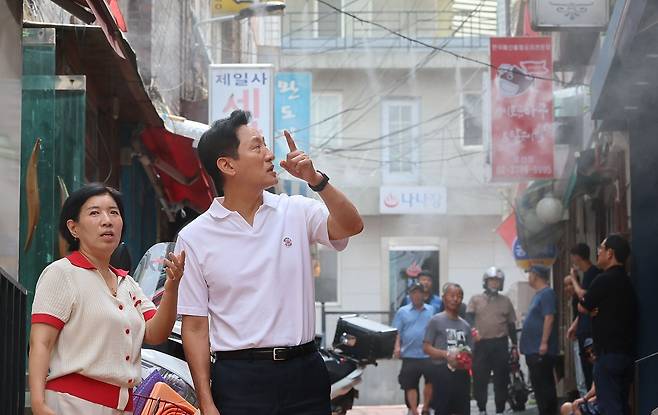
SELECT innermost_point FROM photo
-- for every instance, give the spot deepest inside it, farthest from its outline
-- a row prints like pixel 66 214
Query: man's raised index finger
pixel 291 143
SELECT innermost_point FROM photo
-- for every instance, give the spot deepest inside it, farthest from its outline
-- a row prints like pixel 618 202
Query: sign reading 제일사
pixel 246 87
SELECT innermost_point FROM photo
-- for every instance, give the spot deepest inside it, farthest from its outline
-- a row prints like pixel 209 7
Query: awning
pixel 178 168
pixel 624 81
pixel 166 146
pixel 100 64
pixel 105 13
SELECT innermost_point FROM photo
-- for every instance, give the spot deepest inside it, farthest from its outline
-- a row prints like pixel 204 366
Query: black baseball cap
pixel 416 286
pixel 542 271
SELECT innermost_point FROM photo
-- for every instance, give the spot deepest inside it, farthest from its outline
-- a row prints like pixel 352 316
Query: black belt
pixel 268 353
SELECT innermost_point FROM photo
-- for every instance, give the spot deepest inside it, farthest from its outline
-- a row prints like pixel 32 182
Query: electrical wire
pixel 438 48
pixel 409 74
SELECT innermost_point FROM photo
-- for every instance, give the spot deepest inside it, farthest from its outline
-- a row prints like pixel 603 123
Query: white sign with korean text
pixel 569 14
pixel 246 87
pixel 416 200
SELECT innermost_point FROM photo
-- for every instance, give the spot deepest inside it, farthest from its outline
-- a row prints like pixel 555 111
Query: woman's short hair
pixel 73 205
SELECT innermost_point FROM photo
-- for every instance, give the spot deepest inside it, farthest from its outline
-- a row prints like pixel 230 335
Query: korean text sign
pixel 246 87
pixel 292 110
pixel 522 135
pixel 420 200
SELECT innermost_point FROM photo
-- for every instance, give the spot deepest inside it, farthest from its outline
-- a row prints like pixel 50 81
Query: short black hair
pixel 581 250
pixel 619 246
pixel 221 140
pixel 73 204
pixel 541 271
pixel 425 273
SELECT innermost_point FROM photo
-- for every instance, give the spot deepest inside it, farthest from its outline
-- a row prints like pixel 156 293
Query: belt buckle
pixel 275 350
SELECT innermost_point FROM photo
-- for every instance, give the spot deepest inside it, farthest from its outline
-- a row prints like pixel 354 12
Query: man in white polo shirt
pixel 249 270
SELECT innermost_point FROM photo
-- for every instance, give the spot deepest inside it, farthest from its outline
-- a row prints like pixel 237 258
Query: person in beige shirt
pixel 492 315
pixel 89 319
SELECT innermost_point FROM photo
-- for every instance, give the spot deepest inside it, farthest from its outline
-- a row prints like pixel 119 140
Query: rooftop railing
pixel 453 29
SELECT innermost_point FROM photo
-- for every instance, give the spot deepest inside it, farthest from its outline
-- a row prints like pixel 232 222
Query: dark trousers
pixel 543 382
pixel 588 368
pixel 298 386
pixel 613 373
pixel 451 391
pixel 491 355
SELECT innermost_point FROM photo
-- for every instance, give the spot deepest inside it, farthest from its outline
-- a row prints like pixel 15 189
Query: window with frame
pixel 269 31
pixel 472 132
pixel 329 21
pixel 326 106
pixel 400 139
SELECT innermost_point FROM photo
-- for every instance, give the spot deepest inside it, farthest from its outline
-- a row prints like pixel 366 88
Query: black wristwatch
pixel 320 186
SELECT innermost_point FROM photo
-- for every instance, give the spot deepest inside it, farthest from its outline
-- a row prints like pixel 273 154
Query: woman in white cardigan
pixel 89 319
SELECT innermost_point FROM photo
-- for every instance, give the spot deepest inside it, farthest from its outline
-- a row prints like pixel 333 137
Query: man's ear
pixel 226 166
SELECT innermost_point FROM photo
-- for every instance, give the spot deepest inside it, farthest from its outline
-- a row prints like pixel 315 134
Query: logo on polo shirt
pixel 287 242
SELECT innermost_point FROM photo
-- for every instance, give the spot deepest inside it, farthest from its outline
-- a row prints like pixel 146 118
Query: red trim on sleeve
pixel 48 319
pixel 149 314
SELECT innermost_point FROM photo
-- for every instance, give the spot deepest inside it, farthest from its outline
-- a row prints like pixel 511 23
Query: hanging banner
pixel 522 136
pixel 292 110
pixel 246 87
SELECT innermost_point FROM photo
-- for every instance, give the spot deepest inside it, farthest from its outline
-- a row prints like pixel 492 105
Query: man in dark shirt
pixel 581 328
pixel 539 339
pixel 611 303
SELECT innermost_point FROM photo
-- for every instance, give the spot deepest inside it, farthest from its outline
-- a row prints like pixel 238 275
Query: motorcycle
pixel 345 363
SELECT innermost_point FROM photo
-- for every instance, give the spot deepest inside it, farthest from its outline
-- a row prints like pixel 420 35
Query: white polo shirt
pixel 255 283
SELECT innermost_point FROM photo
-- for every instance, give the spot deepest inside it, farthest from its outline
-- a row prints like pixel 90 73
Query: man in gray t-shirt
pixel 447 334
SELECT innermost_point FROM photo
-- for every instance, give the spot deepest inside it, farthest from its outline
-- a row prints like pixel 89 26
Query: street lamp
pixel 264 8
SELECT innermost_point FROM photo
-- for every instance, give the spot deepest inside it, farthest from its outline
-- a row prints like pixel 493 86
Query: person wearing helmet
pixel 494 319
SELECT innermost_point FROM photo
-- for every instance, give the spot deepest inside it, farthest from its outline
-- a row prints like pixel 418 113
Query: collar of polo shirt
pixel 218 211
pixel 80 261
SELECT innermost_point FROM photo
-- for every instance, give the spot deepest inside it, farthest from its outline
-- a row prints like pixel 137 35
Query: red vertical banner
pixel 522 135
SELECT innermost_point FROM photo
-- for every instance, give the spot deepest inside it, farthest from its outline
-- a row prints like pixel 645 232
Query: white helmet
pixel 493 272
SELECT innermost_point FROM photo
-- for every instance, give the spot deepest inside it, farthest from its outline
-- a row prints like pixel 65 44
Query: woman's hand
pixel 175 266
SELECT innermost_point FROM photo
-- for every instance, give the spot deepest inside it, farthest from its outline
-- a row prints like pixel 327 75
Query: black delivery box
pixel 364 339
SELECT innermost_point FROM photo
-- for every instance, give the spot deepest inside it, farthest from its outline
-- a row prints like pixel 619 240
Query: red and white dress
pixel 96 360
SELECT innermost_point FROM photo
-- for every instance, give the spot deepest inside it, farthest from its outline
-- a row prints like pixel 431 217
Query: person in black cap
pixel 425 279
pixel 611 303
pixel 539 340
pixel 411 320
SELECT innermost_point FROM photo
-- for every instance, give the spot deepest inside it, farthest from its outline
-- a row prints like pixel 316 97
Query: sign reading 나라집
pixel 426 200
